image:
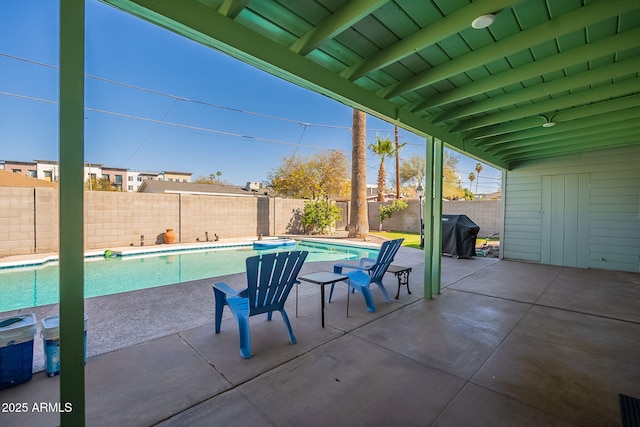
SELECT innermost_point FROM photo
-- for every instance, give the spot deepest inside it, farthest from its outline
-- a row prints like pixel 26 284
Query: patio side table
pixel 323 278
pixel 402 273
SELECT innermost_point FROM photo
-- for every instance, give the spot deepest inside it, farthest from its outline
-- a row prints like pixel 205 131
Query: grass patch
pixel 411 240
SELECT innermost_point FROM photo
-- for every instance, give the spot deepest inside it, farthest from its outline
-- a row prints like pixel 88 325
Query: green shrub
pixel 319 216
pixel 387 210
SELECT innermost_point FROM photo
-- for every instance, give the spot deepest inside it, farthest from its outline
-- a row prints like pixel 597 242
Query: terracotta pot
pixel 169 236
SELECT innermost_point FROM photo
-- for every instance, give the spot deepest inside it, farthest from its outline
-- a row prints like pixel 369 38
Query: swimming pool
pixel 22 287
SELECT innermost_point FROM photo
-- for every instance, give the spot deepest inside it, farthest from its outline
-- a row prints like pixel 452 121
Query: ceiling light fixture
pixel 548 122
pixel 483 21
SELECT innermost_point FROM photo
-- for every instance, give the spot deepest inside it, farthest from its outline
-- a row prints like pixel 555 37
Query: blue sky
pixel 210 129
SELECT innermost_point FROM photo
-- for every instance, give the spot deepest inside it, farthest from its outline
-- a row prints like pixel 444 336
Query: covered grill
pixel 459 235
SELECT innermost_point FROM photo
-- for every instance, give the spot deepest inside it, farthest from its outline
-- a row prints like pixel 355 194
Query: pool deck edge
pixel 40 259
pixel 30 260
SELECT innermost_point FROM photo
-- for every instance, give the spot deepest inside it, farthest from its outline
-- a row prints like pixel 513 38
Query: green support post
pixel 436 254
pixel 72 25
pixel 428 221
pixel 433 218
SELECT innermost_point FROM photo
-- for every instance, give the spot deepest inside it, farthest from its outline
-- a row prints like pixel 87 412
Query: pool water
pixel 34 286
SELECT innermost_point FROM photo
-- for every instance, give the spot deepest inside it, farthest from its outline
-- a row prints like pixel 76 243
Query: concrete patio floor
pixel 505 344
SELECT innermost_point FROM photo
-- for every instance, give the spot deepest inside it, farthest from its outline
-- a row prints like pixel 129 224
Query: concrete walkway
pixel 505 344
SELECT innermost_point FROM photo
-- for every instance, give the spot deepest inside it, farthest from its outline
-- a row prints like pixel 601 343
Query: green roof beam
pixel 343 18
pixel 579 147
pixel 580 80
pixel 588 128
pixel 548 30
pixel 480 136
pixel 614 118
pixel 608 46
pixel 439 30
pixel 553 104
pixel 591 141
pixel 232 8
pixel 605 107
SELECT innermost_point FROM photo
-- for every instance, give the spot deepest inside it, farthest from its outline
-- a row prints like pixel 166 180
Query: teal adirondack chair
pixel 369 271
pixel 270 278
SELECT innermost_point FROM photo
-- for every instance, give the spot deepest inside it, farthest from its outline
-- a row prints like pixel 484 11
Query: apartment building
pixel 177 176
pixel 121 178
pixel 29 169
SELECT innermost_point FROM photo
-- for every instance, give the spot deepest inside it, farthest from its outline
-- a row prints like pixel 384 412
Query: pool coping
pixel 33 260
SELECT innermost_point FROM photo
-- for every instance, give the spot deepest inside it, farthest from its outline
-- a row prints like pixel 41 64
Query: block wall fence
pixel 30 218
pixel 487 214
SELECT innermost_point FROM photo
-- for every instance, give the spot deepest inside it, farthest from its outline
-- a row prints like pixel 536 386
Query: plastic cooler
pixel 16 349
pixel 51 343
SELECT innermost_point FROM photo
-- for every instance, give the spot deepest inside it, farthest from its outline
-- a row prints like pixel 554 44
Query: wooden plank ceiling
pixel 419 63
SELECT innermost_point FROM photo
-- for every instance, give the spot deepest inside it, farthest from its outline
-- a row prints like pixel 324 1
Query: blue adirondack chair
pixel 369 271
pixel 270 278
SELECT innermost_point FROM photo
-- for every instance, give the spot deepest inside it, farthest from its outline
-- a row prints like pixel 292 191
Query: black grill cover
pixel 459 235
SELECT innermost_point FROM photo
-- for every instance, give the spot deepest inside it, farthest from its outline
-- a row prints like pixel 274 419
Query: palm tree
pixel 359 221
pixel 383 148
pixel 478 169
pixel 214 178
pixel 472 177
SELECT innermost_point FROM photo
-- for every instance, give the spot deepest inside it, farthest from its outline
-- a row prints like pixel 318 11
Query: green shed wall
pixel 579 211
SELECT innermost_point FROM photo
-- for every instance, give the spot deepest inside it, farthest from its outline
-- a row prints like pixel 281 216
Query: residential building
pixel 153 186
pixel 177 176
pixel 117 177
pixel 23 168
pixel 133 181
pixel 92 171
pixel 48 170
pixel 149 176
pixel 123 179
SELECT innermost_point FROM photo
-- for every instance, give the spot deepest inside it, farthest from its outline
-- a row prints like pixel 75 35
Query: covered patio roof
pixel 491 92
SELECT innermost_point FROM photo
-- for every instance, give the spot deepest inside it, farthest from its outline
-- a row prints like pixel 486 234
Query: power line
pixel 482 176
pixel 185 99
pixel 29 98
pixel 149 135
pixel 176 98
pixel 180 125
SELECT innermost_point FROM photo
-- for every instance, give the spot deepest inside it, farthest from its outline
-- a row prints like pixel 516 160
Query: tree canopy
pixel 413 170
pixel 100 184
pixel 313 176
pixel 213 178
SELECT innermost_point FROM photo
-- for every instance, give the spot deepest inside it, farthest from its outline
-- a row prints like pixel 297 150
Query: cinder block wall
pixel 31 216
pixel 46 219
pixel 404 220
pixel 345 209
pixel 485 213
pixel 285 215
pixel 17 233
pixel 225 216
pixel 120 219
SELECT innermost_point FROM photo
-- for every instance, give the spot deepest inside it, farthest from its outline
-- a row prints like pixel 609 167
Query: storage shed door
pixel 565 220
